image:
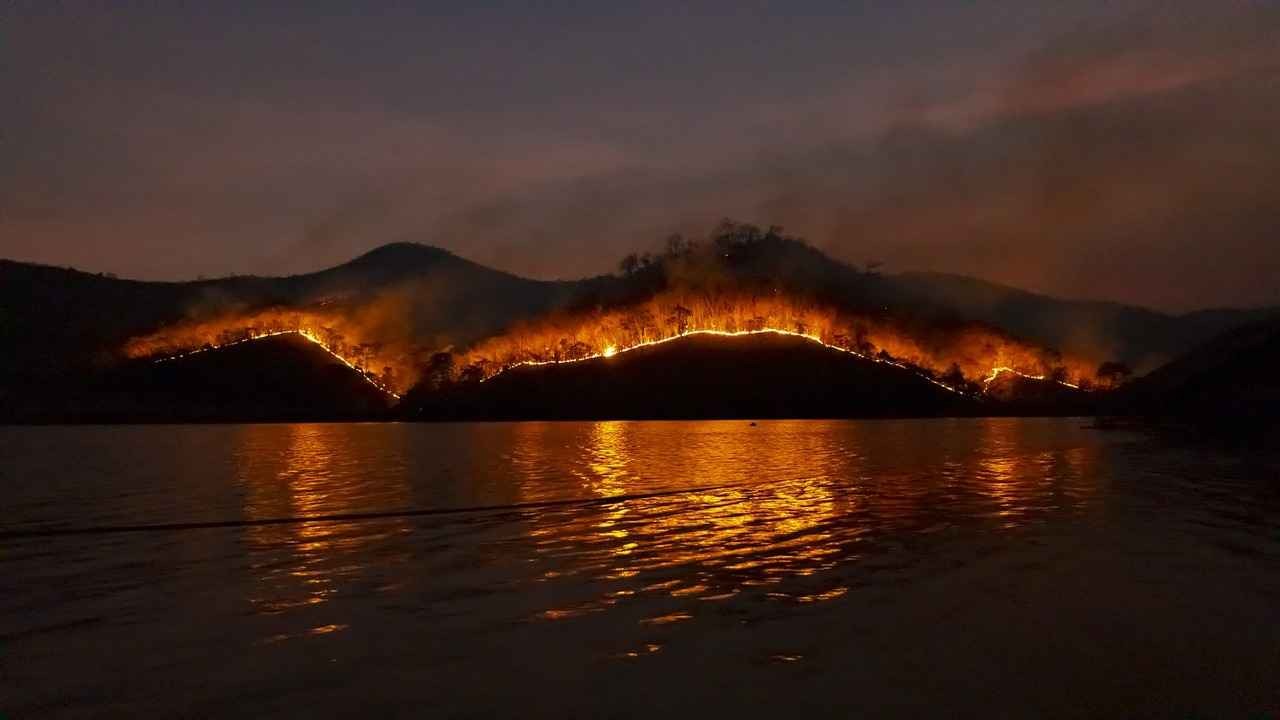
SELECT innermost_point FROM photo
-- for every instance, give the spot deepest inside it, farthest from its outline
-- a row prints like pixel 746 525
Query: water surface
pixel 625 568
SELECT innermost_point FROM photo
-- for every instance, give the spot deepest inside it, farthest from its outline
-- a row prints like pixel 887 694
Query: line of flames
pixel 613 351
pixel 998 371
pixel 303 333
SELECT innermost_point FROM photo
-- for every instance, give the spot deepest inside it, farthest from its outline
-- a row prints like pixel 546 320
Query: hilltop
pixel 699 376
pixel 284 378
pixel 58 321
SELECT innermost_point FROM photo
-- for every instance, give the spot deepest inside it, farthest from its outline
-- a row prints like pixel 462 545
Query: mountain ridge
pixel 57 320
pixel 698 377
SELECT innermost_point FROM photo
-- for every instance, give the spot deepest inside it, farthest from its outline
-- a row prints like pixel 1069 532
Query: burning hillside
pixel 742 281
pixel 745 280
pixel 701 375
pixel 386 365
pixel 961 357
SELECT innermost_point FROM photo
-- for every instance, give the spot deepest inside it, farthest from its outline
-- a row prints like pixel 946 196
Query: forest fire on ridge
pixel 962 359
pixel 612 351
pixel 183 340
pixel 302 333
pixel 742 281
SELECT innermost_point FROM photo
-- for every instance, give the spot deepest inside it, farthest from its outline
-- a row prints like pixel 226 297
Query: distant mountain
pixel 1142 338
pixel 55 321
pixel 1233 378
pixel 759 376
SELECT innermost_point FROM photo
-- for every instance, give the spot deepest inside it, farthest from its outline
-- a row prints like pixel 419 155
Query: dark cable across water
pixel 351 517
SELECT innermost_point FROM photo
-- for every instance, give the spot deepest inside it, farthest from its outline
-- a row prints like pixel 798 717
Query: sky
pixel 1123 150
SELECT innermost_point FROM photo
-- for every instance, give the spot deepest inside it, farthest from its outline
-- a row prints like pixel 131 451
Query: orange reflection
pixel 288 471
pixel 605 473
pixel 731 528
pixel 1024 485
pixel 710 510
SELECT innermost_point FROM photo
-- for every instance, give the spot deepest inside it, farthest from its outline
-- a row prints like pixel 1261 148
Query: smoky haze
pixel 1122 151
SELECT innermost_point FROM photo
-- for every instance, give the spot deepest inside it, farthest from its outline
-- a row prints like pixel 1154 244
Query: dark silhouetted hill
pixel 1015 394
pixel 762 376
pixel 1143 339
pixel 56 321
pixel 284 378
pixel 1234 378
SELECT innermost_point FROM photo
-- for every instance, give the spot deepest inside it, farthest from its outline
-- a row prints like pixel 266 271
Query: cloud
pixel 1131 160
pixel 1139 164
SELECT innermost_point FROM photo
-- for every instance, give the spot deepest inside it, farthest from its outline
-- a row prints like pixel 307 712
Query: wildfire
pixel 998 371
pixel 960 358
pixel 612 351
pixel 304 333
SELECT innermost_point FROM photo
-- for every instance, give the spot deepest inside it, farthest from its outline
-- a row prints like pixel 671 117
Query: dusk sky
pixel 1114 150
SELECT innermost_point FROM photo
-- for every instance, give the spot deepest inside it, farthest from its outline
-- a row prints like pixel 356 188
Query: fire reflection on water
pixel 630 515
pixel 720 538
pixel 1018 482
pixel 773 510
pixel 288 471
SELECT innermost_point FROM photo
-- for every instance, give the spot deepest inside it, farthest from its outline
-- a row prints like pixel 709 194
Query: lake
pixel 1026 567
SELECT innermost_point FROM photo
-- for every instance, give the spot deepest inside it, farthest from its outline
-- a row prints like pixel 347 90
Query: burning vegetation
pixel 746 281
pixel 741 281
pixel 387 366
pixel 961 358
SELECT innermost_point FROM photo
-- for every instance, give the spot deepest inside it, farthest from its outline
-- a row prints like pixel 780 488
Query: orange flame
pixel 948 356
pixel 961 358
pixel 325 330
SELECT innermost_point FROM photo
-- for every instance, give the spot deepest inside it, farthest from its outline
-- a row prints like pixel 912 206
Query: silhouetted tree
pixel 361 355
pixel 954 376
pixel 439 371
pixel 473 373
pixel 630 264
pixel 676 246
pixel 1113 374
pixel 679 319
pixel 861 343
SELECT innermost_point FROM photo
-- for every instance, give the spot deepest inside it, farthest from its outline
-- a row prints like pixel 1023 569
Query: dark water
pixel 948 567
